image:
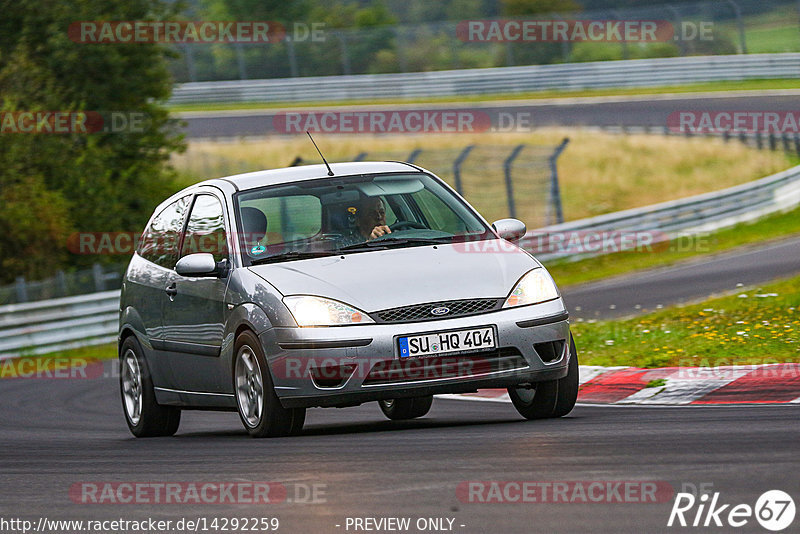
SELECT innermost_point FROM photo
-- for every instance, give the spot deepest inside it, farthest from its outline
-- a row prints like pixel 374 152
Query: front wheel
pixel 145 417
pixel 400 409
pixel 259 408
pixel 553 398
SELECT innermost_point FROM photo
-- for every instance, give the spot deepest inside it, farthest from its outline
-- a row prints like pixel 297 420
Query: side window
pixel 290 217
pixel 160 239
pixel 438 214
pixel 205 231
pixel 391 217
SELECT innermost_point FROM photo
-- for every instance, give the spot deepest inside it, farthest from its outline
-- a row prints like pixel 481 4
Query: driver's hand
pixel 379 231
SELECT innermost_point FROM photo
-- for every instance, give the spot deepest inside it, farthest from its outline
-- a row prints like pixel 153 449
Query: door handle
pixel 171 289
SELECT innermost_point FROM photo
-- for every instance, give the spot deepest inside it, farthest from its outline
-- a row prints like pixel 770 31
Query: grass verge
pixel 745 85
pixel 599 267
pixel 759 325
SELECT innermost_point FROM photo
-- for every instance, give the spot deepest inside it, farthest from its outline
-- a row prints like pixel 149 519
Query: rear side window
pixel 205 231
pixel 160 239
pixel 291 217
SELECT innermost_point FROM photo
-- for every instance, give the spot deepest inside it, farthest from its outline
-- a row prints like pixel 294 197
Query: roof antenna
pixel 330 172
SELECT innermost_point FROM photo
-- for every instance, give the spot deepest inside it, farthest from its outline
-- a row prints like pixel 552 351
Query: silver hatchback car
pixel 274 291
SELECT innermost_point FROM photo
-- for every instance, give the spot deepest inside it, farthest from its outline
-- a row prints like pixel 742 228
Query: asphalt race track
pixel 636 293
pixel 57 433
pixel 649 111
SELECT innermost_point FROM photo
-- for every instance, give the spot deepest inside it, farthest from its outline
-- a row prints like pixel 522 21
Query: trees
pixel 59 183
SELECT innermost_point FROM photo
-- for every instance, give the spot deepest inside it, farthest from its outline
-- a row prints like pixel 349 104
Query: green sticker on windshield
pixel 258 249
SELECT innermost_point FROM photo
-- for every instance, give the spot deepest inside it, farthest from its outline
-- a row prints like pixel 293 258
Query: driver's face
pixel 373 213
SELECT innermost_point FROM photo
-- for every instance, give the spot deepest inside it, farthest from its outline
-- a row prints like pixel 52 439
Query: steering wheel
pixel 405 225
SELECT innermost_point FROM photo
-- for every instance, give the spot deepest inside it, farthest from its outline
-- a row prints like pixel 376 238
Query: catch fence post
pixel 555 189
pixel 457 168
pixel 740 24
pixel 61 284
pixel 189 56
pixel 293 71
pixel 22 289
pixel 240 61
pixel 414 155
pixel 345 57
pixel 512 210
pixel 99 278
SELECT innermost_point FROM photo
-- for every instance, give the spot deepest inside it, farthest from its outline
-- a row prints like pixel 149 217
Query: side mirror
pixel 199 264
pixel 510 229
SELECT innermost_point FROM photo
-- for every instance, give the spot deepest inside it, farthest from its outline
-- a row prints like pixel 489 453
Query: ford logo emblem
pixel 442 310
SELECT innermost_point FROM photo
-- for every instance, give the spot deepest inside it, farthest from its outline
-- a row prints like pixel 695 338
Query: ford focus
pixel 271 292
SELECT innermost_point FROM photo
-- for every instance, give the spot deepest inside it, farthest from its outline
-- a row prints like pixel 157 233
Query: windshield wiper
pixel 293 255
pixel 365 245
pixel 395 241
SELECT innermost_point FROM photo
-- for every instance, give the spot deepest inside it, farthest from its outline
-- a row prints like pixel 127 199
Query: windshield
pixel 351 214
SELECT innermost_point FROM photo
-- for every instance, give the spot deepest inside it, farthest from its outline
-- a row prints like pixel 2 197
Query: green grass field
pixel 774 39
pixel 757 325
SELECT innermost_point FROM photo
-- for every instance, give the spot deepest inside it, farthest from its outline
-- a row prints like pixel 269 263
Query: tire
pixel 400 409
pixel 259 407
pixel 554 398
pixel 145 417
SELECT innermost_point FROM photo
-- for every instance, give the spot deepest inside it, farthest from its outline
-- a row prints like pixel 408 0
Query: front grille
pixel 422 312
pixel 445 367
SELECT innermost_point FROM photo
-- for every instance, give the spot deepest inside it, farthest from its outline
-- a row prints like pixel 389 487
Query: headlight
pixel 536 286
pixel 318 311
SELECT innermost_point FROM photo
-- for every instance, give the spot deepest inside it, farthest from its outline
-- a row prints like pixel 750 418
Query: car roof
pixel 256 179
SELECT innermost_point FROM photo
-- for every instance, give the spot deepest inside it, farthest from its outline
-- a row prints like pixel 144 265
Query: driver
pixel 371 219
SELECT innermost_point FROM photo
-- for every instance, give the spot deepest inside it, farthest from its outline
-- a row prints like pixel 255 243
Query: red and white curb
pixel 738 384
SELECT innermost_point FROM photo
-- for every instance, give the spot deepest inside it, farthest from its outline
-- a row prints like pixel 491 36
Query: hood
pixel 383 279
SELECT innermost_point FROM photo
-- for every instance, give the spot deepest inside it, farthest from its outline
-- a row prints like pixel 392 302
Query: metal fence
pixel 58 324
pixel 784 141
pixel 689 216
pixel 98 278
pixel 500 181
pixel 737 26
pixel 505 80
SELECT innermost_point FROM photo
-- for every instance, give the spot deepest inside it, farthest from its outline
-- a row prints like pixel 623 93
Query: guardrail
pixel 58 324
pixel 500 80
pixel 688 216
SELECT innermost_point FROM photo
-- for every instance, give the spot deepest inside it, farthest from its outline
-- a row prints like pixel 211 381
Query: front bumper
pixel 345 366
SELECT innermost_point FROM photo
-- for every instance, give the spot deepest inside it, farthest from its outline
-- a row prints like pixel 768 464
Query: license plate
pixel 461 341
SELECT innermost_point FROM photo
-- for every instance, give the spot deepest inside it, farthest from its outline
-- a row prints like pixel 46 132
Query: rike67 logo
pixel 774 510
